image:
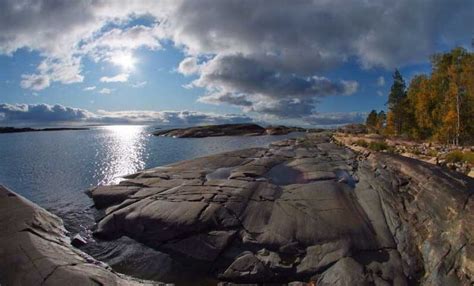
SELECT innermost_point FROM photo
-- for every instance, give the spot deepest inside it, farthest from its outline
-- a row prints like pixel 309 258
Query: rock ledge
pixel 34 250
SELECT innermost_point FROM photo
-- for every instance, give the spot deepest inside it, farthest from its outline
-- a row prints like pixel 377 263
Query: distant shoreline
pixel 28 129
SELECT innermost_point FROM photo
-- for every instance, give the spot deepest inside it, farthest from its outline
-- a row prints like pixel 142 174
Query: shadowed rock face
pixel 302 209
pixel 34 250
pixel 247 129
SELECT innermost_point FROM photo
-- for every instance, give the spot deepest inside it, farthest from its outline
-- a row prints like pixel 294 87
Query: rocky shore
pixel 303 209
pixel 28 129
pixel 246 129
pixel 456 158
pixel 35 250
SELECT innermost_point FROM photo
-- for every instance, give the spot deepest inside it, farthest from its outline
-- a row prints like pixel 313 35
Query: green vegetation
pixel 379 146
pixel 437 107
pixel 458 156
pixel 361 143
pixel 375 145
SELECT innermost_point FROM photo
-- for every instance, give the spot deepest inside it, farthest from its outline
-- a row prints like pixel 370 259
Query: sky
pixel 314 63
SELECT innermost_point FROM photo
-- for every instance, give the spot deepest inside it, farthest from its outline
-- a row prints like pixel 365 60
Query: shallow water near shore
pixel 53 169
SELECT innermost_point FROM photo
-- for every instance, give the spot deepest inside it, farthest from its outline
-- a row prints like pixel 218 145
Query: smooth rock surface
pixel 244 129
pixel 303 209
pixel 34 250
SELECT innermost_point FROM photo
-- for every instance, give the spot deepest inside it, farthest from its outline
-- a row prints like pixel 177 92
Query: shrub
pixel 362 143
pixel 378 146
pixel 459 156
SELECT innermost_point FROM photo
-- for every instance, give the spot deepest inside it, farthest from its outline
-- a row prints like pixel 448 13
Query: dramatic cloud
pixel 116 42
pixel 308 36
pixel 123 77
pixel 245 82
pixel 169 117
pixel 264 57
pixel 41 113
pixel 18 113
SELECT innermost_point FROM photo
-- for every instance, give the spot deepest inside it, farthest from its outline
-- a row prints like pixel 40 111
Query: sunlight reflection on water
pixel 125 152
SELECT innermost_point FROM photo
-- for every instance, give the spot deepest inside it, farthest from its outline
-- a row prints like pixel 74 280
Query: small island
pixel 244 129
pixel 9 129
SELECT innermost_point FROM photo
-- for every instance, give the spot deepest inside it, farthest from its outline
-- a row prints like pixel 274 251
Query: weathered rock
pixel 353 129
pixel 34 250
pixel 302 208
pixel 346 272
pixel 282 130
pixel 246 129
pixel 78 240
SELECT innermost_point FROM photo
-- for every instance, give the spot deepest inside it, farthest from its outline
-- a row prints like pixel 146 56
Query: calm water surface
pixel 53 169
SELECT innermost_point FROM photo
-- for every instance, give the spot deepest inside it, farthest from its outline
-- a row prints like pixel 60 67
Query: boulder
pixel 35 250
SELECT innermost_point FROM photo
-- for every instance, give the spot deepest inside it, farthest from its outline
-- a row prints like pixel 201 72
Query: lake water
pixel 53 169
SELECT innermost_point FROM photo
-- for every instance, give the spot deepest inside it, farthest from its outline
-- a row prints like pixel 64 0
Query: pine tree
pixel 381 119
pixel 397 101
pixel 371 121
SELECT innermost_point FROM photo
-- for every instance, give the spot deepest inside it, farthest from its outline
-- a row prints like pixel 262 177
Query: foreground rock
pixel 34 250
pixel 227 130
pixel 303 209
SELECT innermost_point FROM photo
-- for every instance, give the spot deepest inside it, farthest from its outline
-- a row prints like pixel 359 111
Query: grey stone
pixel 301 208
pixel 34 250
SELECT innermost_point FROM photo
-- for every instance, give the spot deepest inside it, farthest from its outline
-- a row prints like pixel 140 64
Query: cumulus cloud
pixel 41 113
pixel 288 45
pixel 34 81
pixel 311 35
pixel 65 70
pixel 245 82
pixel 169 117
pixel 188 66
pixel 18 113
pixel 117 41
pixel 105 91
pixel 123 77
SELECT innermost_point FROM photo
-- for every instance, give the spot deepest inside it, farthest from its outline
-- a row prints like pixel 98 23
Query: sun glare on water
pixel 125 152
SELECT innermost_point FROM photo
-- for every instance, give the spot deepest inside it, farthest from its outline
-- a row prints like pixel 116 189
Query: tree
pixel 397 101
pixel 381 119
pixel 371 120
pixel 439 106
pixel 390 126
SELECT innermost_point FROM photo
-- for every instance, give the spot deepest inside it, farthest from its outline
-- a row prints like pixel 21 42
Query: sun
pixel 124 60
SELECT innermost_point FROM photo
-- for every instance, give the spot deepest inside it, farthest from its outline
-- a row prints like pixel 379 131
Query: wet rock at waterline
pixel 34 250
pixel 303 209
